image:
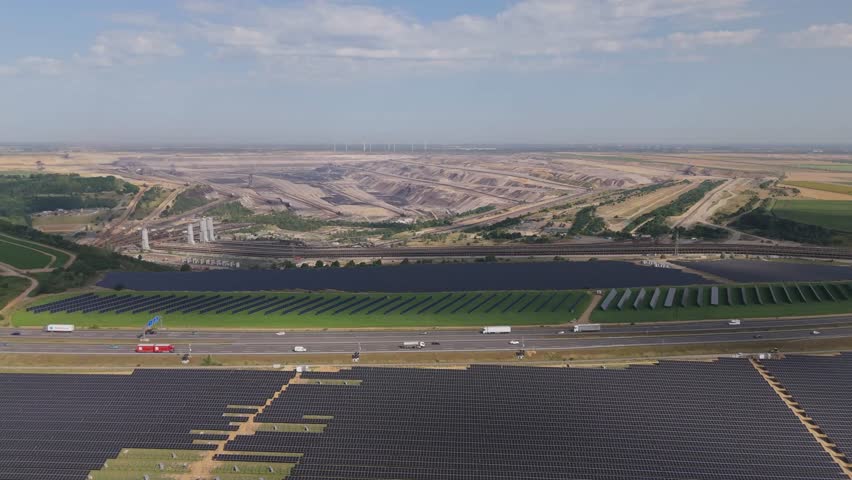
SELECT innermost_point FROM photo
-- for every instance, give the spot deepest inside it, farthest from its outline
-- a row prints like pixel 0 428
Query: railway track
pixel 264 249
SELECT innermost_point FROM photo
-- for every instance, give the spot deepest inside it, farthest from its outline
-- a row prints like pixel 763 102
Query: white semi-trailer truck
pixel 413 345
pixel 497 330
pixel 56 327
pixel 587 327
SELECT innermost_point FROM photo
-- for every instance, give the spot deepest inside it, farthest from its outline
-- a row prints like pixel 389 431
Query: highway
pixel 457 340
pixel 272 249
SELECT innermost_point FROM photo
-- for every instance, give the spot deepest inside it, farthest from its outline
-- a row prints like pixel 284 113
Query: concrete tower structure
pixel 190 235
pixel 145 245
pixel 202 225
pixel 211 236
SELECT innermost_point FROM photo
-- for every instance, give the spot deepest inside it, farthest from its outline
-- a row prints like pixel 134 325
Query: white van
pixel 734 322
pixel 300 349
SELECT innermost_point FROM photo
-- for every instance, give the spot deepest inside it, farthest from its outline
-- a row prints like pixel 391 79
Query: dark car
pixel 436 343
pixel 15 333
pixel 757 336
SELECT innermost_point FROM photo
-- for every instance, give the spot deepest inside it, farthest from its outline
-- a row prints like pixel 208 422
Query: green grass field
pixel 14 244
pixel 22 257
pixel 341 310
pixel 833 214
pixel 735 301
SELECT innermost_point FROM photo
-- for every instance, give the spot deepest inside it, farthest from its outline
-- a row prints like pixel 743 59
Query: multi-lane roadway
pixel 457 340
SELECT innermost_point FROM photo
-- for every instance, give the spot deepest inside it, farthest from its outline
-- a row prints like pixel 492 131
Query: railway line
pixel 268 249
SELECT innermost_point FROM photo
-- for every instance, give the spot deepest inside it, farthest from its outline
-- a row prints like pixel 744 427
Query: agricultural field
pixel 831 168
pixel 25 254
pixel 22 257
pixel 824 186
pixel 734 301
pixel 67 223
pixel 831 214
pixel 307 310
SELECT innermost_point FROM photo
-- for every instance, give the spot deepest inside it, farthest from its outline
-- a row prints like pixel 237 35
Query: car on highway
pixel 114 347
pixel 816 332
pixel 561 332
pixel 15 334
pixel 281 334
pixel 514 342
pixel 757 336
pixel 436 343
pixel 299 349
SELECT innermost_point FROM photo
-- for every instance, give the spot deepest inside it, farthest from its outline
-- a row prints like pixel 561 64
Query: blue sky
pixel 475 71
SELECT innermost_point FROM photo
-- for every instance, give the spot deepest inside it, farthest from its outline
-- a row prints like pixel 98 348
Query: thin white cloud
pixel 713 38
pixel 8 70
pixel 126 47
pixel 34 66
pixel 138 19
pixel 204 6
pixel 347 36
pixel 334 38
pixel 838 35
pixel 720 10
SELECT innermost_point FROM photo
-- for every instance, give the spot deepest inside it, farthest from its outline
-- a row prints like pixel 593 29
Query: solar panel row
pixel 305 304
pixel 492 422
pixel 822 386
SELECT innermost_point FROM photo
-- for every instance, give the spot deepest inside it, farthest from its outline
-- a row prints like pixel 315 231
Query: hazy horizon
pixel 529 72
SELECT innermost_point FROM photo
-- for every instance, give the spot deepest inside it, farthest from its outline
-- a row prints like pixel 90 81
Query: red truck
pixel 156 348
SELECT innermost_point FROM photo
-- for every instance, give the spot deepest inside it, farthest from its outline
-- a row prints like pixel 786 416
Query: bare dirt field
pixel 469 187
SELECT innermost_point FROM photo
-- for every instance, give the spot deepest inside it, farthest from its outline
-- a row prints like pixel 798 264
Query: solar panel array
pixel 60 427
pixel 822 386
pixel 758 295
pixel 677 420
pixel 316 304
pixel 672 421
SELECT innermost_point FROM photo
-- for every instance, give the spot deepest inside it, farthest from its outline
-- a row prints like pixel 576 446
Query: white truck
pixel 57 327
pixel 497 330
pixel 413 345
pixel 299 348
pixel 587 327
pixel 735 322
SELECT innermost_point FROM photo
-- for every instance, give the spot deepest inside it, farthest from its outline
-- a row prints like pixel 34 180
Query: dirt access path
pixel 107 233
pixel 587 314
pixel 204 468
pixel 10 271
